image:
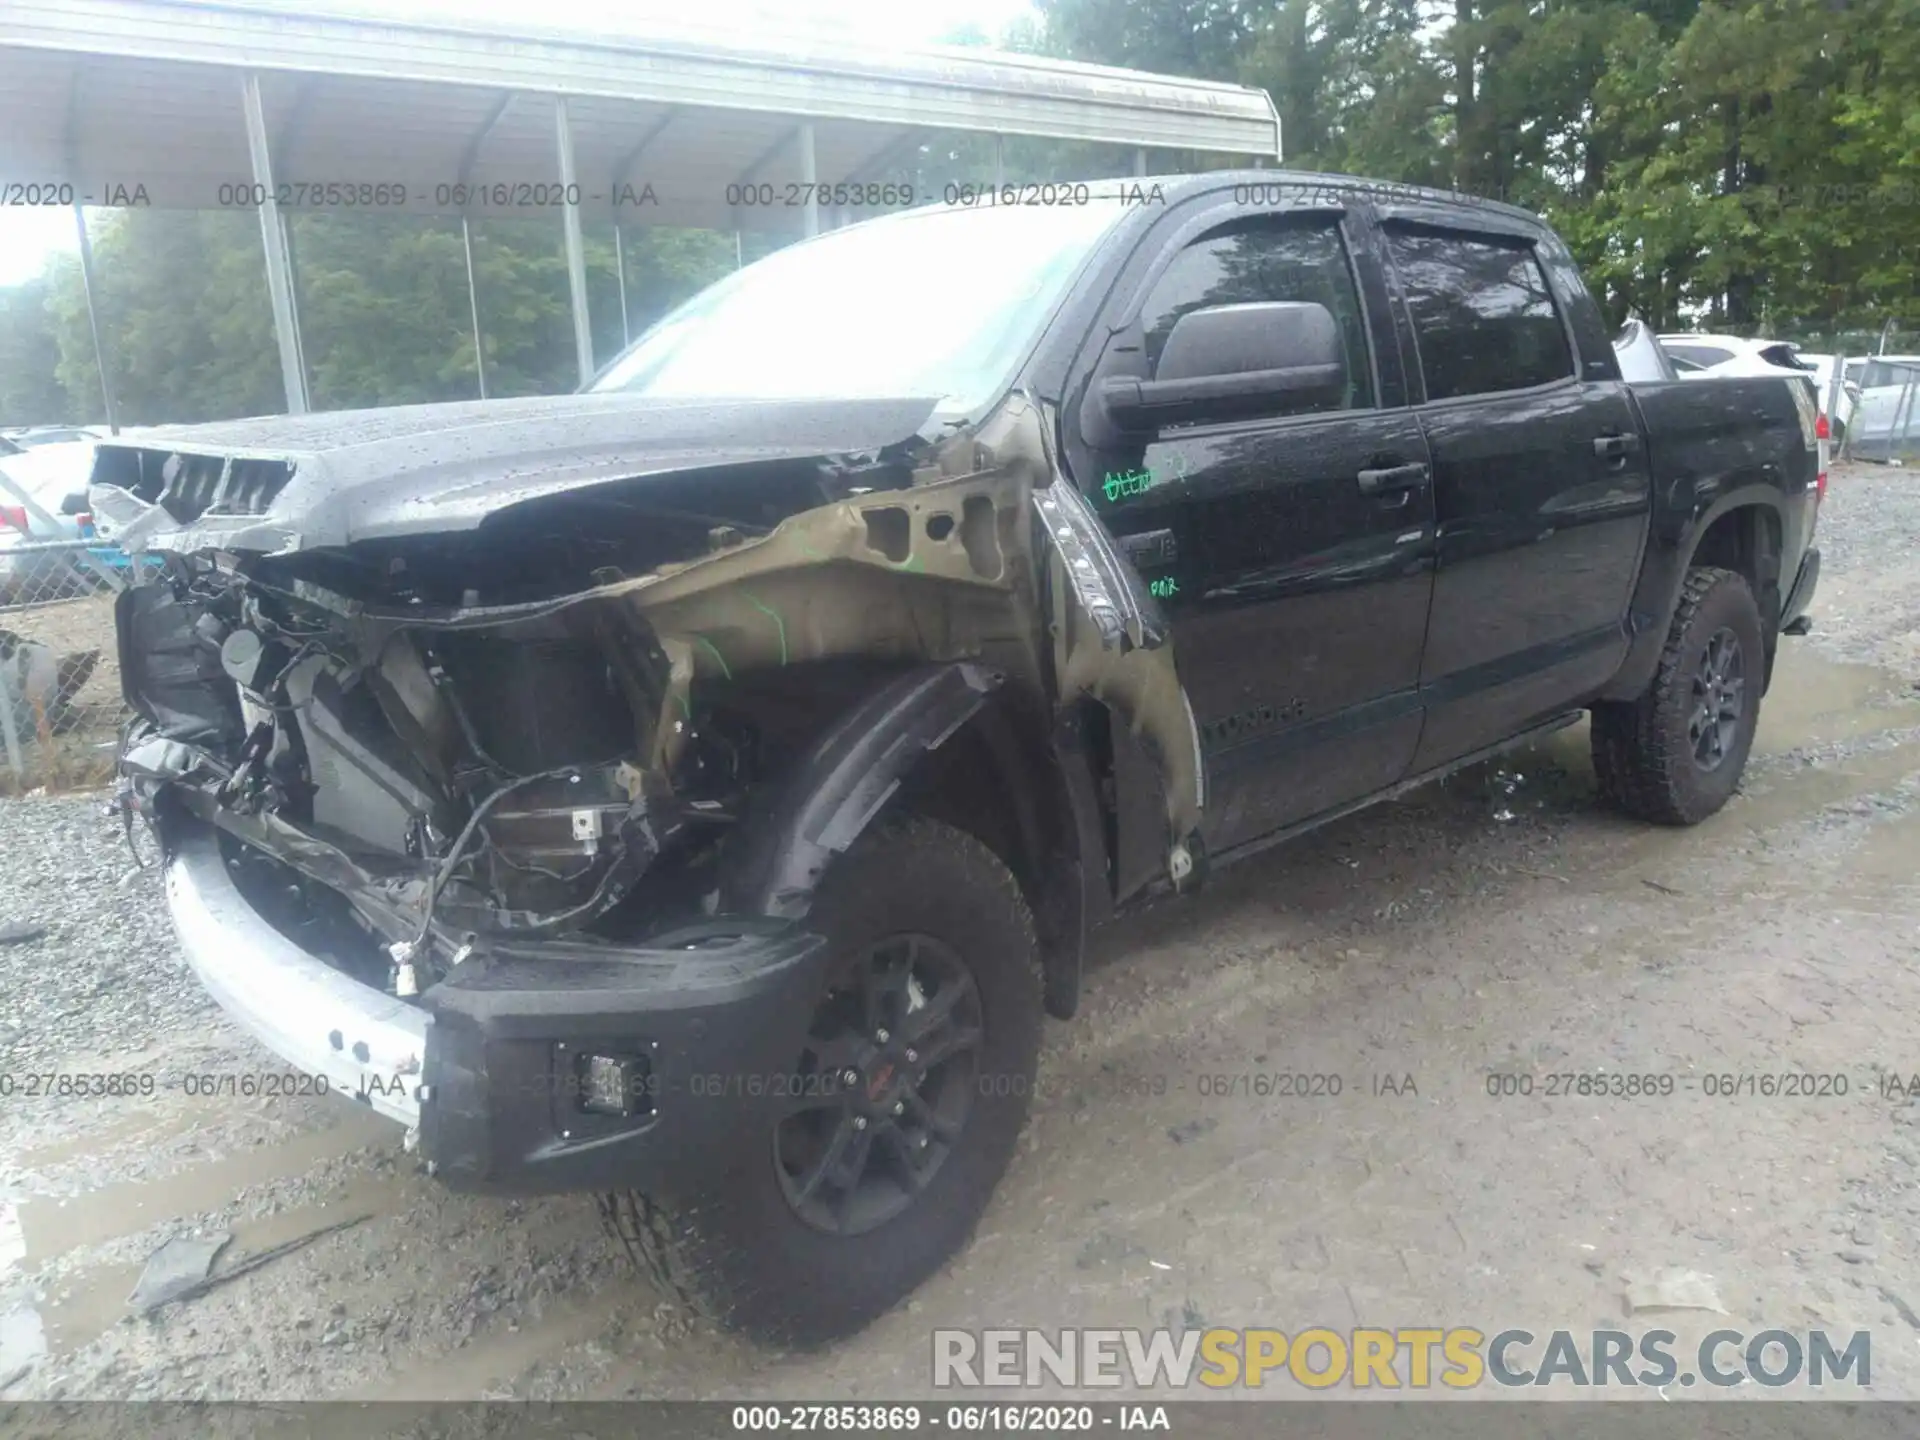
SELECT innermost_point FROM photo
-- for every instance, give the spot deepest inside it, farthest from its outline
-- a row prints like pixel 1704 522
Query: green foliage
pixel 1755 163
pixel 30 390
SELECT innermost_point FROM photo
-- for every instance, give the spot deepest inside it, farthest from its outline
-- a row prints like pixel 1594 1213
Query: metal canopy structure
pixel 216 105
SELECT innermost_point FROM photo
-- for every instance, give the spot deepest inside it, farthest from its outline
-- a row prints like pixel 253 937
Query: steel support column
pixel 620 274
pixel 1140 161
pixel 809 178
pixel 293 289
pixel 273 240
pixel 468 159
pixel 473 305
pixel 93 318
pixel 576 246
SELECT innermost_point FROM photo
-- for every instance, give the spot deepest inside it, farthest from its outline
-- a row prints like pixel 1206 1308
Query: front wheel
pixel 1675 754
pixel 911 1090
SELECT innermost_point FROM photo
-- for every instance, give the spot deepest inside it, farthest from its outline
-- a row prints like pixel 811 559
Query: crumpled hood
pixel 291 482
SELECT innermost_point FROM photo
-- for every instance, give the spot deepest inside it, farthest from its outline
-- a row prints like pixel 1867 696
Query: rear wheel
pixel 1675 754
pixel 912 1090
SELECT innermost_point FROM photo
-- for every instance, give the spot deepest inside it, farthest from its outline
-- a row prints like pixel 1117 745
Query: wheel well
pixel 999 781
pixel 997 777
pixel 1746 540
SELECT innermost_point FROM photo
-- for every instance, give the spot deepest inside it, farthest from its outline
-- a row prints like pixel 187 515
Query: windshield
pixel 941 303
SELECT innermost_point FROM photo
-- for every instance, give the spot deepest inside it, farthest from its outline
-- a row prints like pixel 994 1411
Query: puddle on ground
pixel 53 1226
pixel 23 1339
pixel 1888 860
pixel 149 1128
pixel 1814 701
pixel 23 1342
pixel 96 1299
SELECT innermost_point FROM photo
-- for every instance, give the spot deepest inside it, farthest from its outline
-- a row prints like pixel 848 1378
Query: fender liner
pixel 1081 894
pixel 852 771
pixel 1671 547
pixel 866 756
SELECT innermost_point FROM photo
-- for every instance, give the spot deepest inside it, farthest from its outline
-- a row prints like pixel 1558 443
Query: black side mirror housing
pixel 75 504
pixel 1228 361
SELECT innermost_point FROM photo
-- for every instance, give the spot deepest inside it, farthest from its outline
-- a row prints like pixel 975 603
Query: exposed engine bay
pixel 552 725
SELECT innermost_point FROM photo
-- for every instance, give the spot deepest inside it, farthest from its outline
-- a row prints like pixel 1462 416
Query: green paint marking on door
pixel 1127 482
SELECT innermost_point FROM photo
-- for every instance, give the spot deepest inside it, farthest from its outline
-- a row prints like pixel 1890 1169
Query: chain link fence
pixel 1882 399
pixel 60 702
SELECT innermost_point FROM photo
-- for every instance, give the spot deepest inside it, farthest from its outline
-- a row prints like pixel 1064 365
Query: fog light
pixel 615 1084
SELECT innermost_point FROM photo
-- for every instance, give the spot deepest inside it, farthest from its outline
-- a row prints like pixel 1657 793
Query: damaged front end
pixel 519 777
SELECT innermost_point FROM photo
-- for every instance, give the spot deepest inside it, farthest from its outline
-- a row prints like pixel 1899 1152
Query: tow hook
pixel 1187 864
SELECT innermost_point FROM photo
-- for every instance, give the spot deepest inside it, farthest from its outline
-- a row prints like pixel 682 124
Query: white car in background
pixel 1706 357
pixel 1885 391
pixel 43 497
pixel 1699 356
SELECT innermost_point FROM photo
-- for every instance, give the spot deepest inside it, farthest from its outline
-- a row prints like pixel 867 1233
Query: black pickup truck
pixel 695 790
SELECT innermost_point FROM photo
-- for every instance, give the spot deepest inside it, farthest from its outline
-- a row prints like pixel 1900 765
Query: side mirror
pixel 1234 360
pixel 74 504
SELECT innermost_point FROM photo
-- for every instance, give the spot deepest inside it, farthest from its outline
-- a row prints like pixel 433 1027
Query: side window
pixel 1482 313
pixel 1266 260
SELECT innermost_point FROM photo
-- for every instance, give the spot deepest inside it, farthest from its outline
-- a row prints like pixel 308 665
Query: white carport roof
pixel 194 105
pixel 106 92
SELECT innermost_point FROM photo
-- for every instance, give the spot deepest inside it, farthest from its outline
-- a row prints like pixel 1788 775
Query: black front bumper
pixel 705 1025
pixel 709 1020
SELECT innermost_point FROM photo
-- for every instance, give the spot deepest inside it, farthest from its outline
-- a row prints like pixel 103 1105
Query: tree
pixel 30 388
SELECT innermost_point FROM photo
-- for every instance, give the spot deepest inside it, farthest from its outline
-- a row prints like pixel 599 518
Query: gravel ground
pixel 1497 922
pixel 106 978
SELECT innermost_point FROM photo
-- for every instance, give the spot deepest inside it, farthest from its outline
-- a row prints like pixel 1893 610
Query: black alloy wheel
pixel 884 1088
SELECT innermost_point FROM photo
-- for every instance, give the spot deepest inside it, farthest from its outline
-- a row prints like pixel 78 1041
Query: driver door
pixel 1292 549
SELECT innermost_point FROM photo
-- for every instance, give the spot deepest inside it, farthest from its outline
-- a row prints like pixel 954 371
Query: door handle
pixel 1615 447
pixel 1392 479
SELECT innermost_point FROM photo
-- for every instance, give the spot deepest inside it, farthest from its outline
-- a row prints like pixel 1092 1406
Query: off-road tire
pixel 1642 754
pixel 742 1256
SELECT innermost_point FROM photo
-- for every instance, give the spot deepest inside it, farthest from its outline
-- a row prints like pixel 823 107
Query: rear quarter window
pixel 1785 355
pixel 1698 356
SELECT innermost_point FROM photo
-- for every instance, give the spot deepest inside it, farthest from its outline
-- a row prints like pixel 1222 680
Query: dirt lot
pixel 1495 925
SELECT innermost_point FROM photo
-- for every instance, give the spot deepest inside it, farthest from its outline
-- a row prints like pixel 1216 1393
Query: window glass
pixel 1482 314
pixel 1700 356
pixel 1265 260
pixel 1882 373
pixel 847 313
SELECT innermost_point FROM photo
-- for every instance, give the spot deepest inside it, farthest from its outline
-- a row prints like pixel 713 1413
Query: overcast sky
pixel 26 235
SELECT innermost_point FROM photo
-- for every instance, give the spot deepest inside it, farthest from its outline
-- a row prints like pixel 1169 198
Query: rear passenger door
pixel 1540 485
pixel 1292 549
